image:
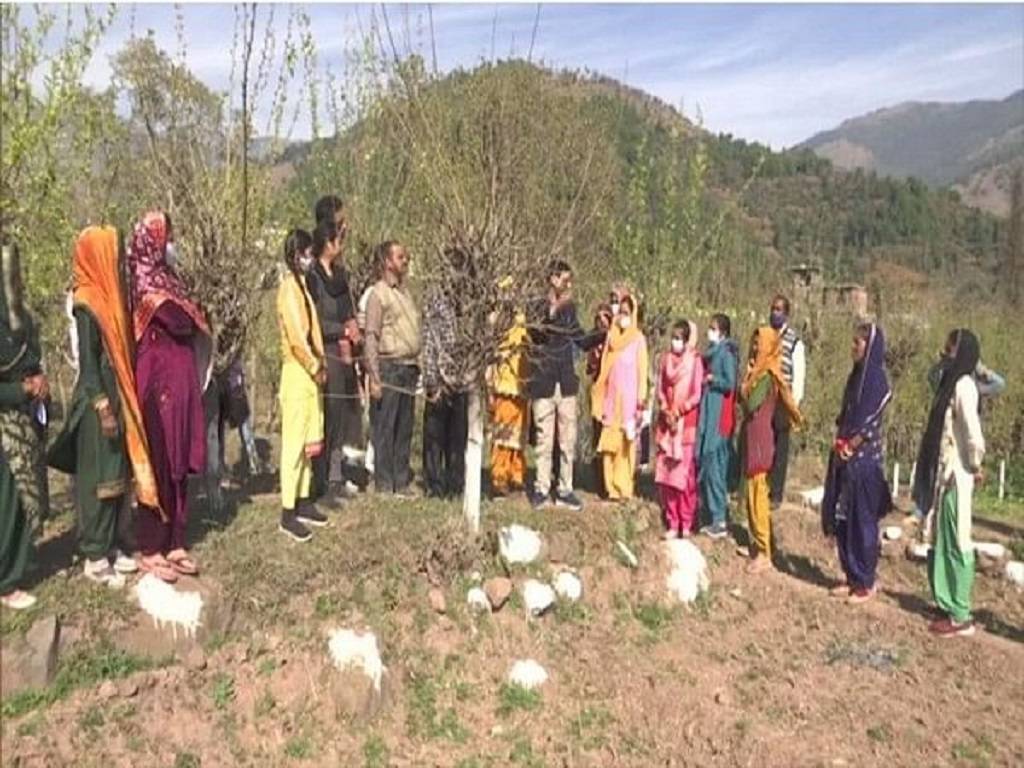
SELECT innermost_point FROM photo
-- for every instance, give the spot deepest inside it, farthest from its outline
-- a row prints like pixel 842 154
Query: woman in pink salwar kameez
pixel 680 377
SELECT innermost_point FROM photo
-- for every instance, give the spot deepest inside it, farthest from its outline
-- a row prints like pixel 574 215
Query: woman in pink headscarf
pixel 171 370
pixel 679 391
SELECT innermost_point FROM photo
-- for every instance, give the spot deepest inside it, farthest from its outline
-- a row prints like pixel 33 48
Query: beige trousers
pixel 546 413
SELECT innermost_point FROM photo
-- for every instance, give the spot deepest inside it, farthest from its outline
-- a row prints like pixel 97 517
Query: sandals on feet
pixel 182 563
pixel 159 567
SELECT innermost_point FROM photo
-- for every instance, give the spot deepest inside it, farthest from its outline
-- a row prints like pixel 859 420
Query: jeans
pixel 445 430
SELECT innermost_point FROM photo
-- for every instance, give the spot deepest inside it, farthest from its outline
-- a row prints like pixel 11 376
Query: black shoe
pixel 308 514
pixel 538 500
pixel 569 501
pixel 330 500
pixel 290 525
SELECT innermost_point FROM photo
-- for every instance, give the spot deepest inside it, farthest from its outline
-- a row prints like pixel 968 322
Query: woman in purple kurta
pixel 856 492
pixel 171 333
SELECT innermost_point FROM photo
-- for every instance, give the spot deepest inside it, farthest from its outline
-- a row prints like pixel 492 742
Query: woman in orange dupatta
pixel 617 400
pixel 762 387
pixel 172 367
pixel 105 417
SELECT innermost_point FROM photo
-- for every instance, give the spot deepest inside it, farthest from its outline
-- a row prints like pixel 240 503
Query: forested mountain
pixel 974 145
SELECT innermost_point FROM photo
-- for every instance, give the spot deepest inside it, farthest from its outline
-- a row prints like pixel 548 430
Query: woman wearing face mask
pixel 856 492
pixel 717 421
pixel 679 387
pixel 172 368
pixel 303 373
pixel 617 400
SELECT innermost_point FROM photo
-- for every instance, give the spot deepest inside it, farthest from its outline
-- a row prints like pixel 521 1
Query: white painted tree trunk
pixel 474 460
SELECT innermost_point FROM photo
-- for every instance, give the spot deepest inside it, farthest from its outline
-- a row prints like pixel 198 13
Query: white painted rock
pixel 1015 572
pixel 568 586
pixel 689 570
pixel 991 549
pixel 537 596
pixel 178 609
pixel 519 544
pixel 477 601
pixel 892 533
pixel 527 674
pixel 813 497
pixel 918 550
pixel 351 650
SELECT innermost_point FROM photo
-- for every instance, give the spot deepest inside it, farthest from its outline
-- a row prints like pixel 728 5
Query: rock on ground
pixel 498 591
pixel 528 674
pixel 437 602
pixel 568 586
pixel 478 601
pixel 31 662
pixel 1015 572
pixel 519 544
pixel 359 683
pixel 688 576
pixel 537 596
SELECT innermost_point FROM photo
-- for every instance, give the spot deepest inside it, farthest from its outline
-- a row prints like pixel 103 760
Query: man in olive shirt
pixel 392 355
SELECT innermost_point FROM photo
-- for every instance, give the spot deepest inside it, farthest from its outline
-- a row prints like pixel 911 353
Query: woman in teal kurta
pixel 715 452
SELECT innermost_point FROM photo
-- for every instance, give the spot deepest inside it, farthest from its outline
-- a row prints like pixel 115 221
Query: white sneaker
pixel 351 488
pixel 100 572
pixel 123 563
pixel 18 600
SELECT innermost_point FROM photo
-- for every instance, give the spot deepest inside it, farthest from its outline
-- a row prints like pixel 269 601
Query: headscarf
pixel 152 281
pixel 968 353
pixel 97 288
pixel 20 354
pixel 769 363
pixel 679 367
pixel 867 387
pixel 618 340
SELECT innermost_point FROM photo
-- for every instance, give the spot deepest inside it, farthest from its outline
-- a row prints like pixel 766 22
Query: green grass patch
pixel 515 698
pixel 223 691
pixel 375 752
pixel 424 718
pixel 299 748
pixel 522 754
pixel 265 704
pixel 81 669
pixel 654 617
pixel 880 734
pixel 186 760
pixel 977 752
pixel 92 719
pixel 589 728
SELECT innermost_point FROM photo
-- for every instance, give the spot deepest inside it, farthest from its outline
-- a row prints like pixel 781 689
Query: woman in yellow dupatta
pixel 509 411
pixel 763 385
pixel 617 400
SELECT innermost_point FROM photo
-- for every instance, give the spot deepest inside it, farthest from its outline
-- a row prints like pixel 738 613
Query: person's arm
pixel 89 347
pixel 726 382
pixel 990 383
pixel 966 410
pixel 694 389
pixel 374 328
pixel 643 373
pixel 799 371
pixel 291 309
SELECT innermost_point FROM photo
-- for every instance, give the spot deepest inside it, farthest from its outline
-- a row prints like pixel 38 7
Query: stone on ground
pixel 498 590
pixel 893 533
pixel 813 497
pixel 527 674
pixel 1015 572
pixel 688 575
pixel 437 601
pixel 477 601
pixel 626 554
pixel 519 544
pixel 991 549
pixel 29 663
pixel 537 596
pixel 568 586
pixel 359 686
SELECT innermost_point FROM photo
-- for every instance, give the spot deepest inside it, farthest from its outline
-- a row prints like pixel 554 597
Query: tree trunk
pixel 474 460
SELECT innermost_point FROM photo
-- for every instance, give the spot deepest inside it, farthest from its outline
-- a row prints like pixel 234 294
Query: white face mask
pixel 625 322
pixel 714 336
pixel 305 263
pixel 171 255
pixel 678 346
pixel 615 308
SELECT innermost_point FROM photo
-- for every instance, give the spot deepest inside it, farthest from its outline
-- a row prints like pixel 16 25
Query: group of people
pixel 135 428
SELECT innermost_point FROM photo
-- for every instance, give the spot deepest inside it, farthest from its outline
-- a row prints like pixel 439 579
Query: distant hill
pixel 973 146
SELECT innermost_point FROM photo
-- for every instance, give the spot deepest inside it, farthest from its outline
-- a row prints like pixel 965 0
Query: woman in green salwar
pixel 23 394
pixel 92 443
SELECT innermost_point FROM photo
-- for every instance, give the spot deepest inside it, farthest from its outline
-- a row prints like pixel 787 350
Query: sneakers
pixel 308 514
pixel 123 563
pixel 717 531
pixel 290 525
pixel 100 572
pixel 18 600
pixel 569 501
pixel 946 627
pixel 538 500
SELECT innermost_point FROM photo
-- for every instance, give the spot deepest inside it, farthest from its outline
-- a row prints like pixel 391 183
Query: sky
pixel 777 74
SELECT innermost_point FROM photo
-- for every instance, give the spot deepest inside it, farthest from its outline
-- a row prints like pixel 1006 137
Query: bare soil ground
pixel 763 671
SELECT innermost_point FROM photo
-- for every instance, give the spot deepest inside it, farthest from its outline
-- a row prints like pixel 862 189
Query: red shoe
pixel 946 627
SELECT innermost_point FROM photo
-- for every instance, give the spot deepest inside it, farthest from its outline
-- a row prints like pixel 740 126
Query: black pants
pixel 445 430
pixel 392 427
pixel 780 464
pixel 597 463
pixel 342 425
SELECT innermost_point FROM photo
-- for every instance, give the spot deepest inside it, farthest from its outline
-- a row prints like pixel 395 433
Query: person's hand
pixel 375 390
pixel 846 452
pixel 37 387
pixel 108 424
pixel 433 396
pixel 979 476
pixel 708 378
pixel 321 376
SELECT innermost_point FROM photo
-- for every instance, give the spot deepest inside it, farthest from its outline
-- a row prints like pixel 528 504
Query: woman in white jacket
pixel 951 455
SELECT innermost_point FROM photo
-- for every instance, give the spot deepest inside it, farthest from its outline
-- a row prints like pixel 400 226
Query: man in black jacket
pixel 554 385
pixel 328 284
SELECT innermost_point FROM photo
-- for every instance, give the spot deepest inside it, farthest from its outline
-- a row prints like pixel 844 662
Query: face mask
pixel 677 346
pixel 305 263
pixel 171 255
pixel 778 319
pixel 615 309
pixel 714 336
pixel 625 322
